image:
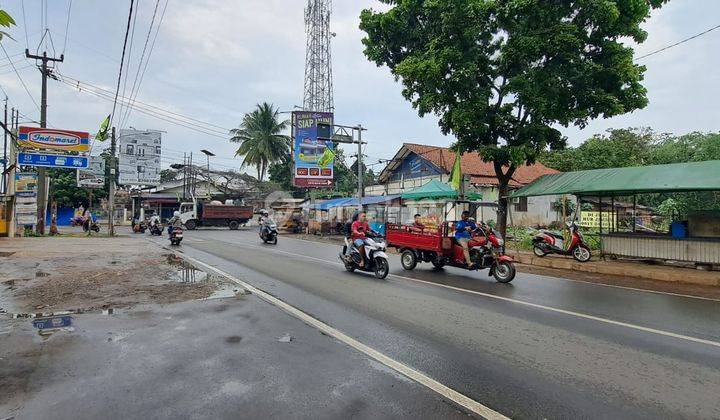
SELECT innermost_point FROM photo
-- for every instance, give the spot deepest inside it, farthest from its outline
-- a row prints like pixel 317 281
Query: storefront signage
pixel 52 161
pixel 47 138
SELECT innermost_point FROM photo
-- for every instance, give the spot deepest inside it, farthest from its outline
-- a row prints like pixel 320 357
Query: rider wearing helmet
pixel 174 222
pixel 264 217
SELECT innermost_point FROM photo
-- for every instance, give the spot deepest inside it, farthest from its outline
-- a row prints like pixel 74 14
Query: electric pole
pixel 43 184
pixel 111 192
pixel 361 191
pixel 5 156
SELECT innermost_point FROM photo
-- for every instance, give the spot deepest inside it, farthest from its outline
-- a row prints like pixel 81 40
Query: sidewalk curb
pixel 617 268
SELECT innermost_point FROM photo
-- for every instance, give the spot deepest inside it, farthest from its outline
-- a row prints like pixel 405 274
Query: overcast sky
pixel 215 59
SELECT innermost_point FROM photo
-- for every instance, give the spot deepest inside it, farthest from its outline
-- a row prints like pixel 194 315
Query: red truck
pixel 197 214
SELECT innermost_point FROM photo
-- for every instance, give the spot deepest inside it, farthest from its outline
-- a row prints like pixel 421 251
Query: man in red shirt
pixel 359 229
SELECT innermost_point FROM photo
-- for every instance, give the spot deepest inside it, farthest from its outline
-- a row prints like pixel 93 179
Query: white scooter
pixel 376 260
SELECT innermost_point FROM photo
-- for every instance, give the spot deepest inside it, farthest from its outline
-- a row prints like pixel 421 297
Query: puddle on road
pixel 187 273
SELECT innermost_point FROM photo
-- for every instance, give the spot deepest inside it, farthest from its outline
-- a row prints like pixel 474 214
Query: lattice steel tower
pixel 318 94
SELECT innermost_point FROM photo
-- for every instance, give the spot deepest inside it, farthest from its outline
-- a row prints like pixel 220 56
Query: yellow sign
pixel 591 219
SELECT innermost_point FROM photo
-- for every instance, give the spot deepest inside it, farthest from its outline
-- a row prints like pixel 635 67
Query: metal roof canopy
pixel 676 177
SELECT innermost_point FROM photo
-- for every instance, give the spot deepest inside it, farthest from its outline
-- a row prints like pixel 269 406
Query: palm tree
pixel 261 143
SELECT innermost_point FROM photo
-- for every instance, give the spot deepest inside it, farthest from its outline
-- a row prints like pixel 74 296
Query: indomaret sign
pixel 313 157
pixel 48 138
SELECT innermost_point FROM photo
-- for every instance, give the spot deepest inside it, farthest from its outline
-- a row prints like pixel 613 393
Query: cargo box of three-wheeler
pixel 197 214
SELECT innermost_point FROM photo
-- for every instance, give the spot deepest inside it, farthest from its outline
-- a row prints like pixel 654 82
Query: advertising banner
pixel 49 138
pixel 139 157
pixel 591 220
pixel 26 184
pixel 94 175
pixel 52 161
pixel 313 158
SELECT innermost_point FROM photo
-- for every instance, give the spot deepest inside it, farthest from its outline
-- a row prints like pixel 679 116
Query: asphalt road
pixel 540 347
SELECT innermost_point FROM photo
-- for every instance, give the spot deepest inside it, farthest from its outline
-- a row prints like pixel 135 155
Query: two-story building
pixel 414 165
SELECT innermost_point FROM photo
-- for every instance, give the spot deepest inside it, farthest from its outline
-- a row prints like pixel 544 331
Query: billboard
pixel 26 184
pixel 139 157
pixel 49 138
pixel 94 175
pixel 313 158
pixel 52 161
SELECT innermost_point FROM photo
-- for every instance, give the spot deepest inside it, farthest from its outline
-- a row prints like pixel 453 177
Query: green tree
pixel 619 148
pixel 260 138
pixel 281 173
pixel 64 189
pixel 501 74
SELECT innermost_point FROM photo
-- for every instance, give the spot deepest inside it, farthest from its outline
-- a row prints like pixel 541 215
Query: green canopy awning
pixel 436 190
pixel 676 177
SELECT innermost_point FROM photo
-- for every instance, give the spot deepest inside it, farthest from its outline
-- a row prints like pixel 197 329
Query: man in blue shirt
pixel 462 235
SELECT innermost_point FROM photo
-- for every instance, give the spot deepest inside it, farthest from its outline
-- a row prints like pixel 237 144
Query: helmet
pixel 176 213
pixel 264 212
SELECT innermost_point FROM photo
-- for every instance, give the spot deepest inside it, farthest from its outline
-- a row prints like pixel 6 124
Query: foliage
pixel 7 21
pixel 502 74
pixel 641 146
pixel 345 180
pixel 64 189
pixel 260 138
pixel 167 175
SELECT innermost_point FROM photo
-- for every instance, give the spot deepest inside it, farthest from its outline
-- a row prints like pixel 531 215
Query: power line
pixel 678 43
pixel 124 118
pixel 67 26
pixel 129 60
pixel 27 39
pixel 21 79
pixel 122 59
pixel 207 125
pixel 166 118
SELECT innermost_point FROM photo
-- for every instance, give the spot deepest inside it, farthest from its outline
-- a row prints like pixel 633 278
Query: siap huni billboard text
pixel 313 157
pixel 48 138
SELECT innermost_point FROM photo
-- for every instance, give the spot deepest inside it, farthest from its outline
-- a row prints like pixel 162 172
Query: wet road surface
pixel 539 347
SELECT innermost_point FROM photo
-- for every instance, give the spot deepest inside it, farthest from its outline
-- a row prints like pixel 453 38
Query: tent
pixel 436 190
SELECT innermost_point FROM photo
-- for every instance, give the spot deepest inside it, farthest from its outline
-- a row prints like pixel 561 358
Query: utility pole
pixel 111 192
pixel 5 156
pixel 43 184
pixel 361 192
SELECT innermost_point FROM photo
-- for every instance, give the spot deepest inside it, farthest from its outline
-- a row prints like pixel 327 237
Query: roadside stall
pixel 692 237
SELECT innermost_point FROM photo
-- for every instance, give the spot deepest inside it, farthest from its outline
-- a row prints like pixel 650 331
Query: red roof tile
pixel 480 172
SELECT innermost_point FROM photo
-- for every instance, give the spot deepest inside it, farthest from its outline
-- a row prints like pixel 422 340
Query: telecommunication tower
pixel 318 92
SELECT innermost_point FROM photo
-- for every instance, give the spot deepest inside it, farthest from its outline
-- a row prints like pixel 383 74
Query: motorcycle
pixel 376 260
pixel 156 229
pixel 547 242
pixel 176 236
pixel 269 232
pixel 140 227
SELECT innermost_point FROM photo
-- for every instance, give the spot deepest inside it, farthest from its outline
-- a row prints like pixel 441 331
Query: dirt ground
pixel 59 274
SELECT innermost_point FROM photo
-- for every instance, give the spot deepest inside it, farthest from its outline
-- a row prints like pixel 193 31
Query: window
pixel 521 205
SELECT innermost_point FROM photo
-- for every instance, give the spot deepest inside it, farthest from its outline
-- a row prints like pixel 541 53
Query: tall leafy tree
pixel 261 140
pixel 503 74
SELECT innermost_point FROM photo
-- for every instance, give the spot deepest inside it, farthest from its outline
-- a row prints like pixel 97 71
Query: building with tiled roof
pixel 416 164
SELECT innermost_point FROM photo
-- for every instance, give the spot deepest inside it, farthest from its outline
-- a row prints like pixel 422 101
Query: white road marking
pixel 516 301
pixel 402 368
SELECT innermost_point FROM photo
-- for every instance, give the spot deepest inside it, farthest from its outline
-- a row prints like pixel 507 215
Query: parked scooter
pixel 376 260
pixel 269 232
pixel 176 236
pixel 546 242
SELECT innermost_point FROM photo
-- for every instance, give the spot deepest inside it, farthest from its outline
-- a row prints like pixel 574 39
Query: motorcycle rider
pixel 262 221
pixel 359 231
pixel 174 222
pixel 463 236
